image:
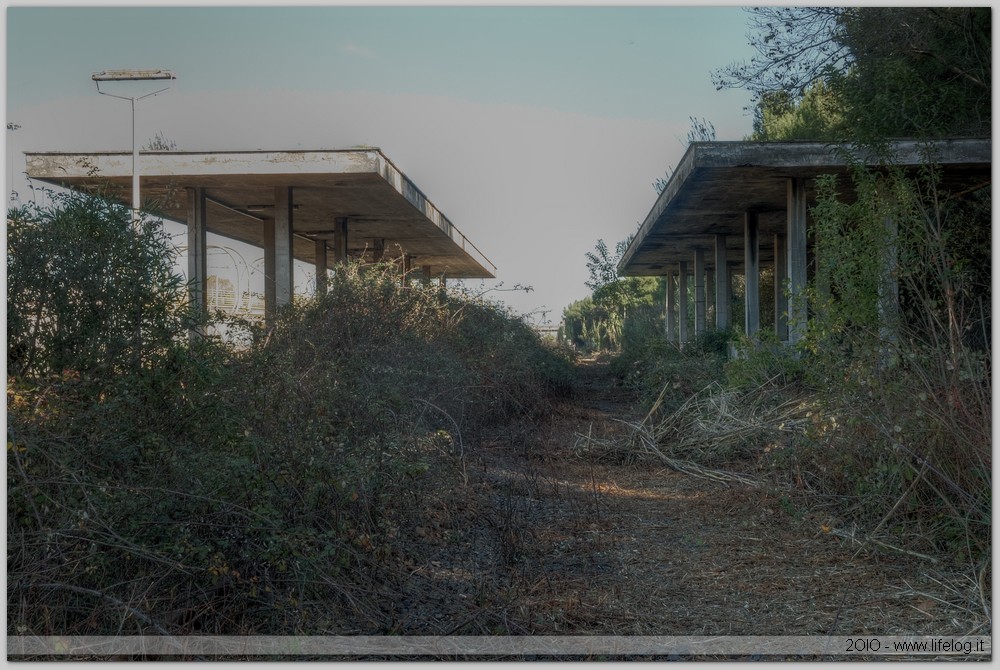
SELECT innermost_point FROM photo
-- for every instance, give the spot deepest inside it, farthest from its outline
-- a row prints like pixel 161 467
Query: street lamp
pixel 11 126
pixel 133 75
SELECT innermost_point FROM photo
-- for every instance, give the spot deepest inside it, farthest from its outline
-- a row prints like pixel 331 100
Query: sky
pixel 536 129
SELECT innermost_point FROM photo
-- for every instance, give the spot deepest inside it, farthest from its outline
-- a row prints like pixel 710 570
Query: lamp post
pixel 133 75
pixel 11 126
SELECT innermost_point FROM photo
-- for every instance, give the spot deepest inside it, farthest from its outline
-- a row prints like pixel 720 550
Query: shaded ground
pixel 589 548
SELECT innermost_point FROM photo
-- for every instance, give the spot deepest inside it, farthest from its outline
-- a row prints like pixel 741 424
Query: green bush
pixel 158 483
pixel 88 290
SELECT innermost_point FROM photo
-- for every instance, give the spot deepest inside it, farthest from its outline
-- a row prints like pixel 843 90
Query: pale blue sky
pixel 535 129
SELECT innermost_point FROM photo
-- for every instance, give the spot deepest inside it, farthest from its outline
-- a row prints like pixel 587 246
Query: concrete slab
pixel 717 182
pixel 362 185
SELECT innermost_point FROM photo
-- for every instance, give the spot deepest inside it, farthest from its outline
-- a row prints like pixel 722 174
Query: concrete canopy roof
pixel 378 200
pixel 716 183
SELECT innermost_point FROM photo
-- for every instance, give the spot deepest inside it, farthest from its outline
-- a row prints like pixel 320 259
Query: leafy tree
pixel 897 71
pixel 597 322
pixel 919 71
pixel 89 290
pixel 817 116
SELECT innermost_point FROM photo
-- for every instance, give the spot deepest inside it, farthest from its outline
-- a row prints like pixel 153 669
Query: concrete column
pixel 197 233
pixel 269 289
pixel 378 250
pixel 751 257
pixel 321 267
pixel 682 303
pixel 426 271
pixel 407 266
pixel 710 299
pixel 888 288
pixel 340 241
pixel 699 292
pixel 796 234
pixel 671 316
pixel 722 286
pixel 780 276
pixel 283 268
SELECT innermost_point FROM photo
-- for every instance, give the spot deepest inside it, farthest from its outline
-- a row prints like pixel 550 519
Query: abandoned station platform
pixel 319 206
pixel 735 207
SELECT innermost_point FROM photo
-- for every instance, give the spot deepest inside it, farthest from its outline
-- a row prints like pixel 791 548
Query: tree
pixel 919 71
pixel 796 47
pixel 896 71
pixel 817 116
pixel 614 296
pixel 89 291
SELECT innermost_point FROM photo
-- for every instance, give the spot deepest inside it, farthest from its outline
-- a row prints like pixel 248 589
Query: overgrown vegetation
pixel 162 484
pixel 882 413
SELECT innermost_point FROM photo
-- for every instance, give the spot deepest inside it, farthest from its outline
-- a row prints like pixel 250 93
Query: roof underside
pixel 716 183
pixel 379 202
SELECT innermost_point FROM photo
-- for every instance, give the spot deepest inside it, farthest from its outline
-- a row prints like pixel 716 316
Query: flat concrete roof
pixel 716 183
pixel 362 185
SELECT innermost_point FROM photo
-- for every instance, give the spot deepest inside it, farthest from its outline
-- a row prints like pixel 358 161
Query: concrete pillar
pixel 670 322
pixel 321 267
pixel 710 299
pixel 340 241
pixel 682 303
pixel 751 258
pixel 888 288
pixel 197 232
pixel 426 271
pixel 407 266
pixel 283 267
pixel 780 300
pixel 378 250
pixel 722 286
pixel 269 290
pixel 796 236
pixel 699 292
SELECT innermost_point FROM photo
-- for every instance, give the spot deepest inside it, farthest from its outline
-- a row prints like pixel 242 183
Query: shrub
pixel 217 489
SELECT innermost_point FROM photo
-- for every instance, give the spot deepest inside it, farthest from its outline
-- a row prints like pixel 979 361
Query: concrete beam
pixel 796 234
pixel 699 292
pixel 780 280
pixel 321 279
pixel 283 266
pixel 722 286
pixel 197 233
pixel 670 322
pixel 329 184
pixel 751 259
pixel 682 305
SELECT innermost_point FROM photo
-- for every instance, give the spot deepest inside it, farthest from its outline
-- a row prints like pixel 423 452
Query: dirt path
pixel 643 550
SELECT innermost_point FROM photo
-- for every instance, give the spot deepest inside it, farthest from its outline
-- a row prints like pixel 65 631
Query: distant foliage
pixel 596 322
